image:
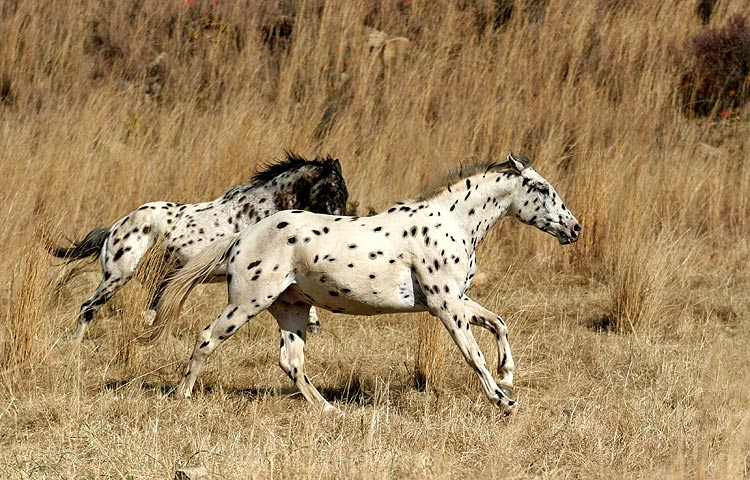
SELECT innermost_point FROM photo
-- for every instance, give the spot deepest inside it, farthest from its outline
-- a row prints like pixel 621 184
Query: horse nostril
pixel 575 230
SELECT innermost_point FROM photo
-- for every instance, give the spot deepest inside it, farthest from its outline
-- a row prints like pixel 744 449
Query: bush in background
pixel 720 78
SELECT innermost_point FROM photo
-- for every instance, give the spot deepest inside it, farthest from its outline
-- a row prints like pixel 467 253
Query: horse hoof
pixel 313 329
pixel 510 408
pixel 148 317
pixel 331 410
pixel 182 391
pixel 506 388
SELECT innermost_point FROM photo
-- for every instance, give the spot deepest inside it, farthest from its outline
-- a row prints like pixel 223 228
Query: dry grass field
pixel 631 346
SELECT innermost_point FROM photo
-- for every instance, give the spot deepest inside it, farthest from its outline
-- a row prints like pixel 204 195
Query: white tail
pixel 182 282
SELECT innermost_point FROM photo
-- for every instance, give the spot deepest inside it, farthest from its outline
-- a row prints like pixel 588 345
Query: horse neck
pixel 293 190
pixel 476 203
pixel 283 192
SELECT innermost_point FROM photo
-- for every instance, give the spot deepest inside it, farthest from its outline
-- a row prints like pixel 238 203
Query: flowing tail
pixel 88 247
pixel 182 282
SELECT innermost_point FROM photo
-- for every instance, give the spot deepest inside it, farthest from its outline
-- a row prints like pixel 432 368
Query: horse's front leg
pixel 292 317
pixel 451 310
pixel 481 317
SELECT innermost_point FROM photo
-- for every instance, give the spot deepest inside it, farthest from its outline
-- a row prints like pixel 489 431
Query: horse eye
pixel 543 190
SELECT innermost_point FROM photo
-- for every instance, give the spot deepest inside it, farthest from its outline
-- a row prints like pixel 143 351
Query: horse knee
pixel 291 370
pixel 204 337
pixel 501 327
pixel 87 314
pixel 291 366
pixel 284 362
pixel 505 370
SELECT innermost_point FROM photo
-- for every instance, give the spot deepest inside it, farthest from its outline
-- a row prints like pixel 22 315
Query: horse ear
pixel 336 165
pixel 518 162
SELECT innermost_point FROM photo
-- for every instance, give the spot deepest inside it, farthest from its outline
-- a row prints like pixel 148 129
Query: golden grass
pixel 431 352
pixel 630 345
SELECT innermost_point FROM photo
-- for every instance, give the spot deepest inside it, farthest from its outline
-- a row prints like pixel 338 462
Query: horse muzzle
pixel 570 234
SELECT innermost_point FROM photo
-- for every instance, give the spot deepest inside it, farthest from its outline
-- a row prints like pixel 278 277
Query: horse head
pixel 328 192
pixel 536 202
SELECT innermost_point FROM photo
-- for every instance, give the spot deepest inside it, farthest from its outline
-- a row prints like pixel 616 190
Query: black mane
pixel 291 163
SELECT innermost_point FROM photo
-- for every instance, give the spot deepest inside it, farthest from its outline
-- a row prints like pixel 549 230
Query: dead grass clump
pixel 643 270
pixel 432 347
pixel 719 79
pixel 135 304
pixel 26 330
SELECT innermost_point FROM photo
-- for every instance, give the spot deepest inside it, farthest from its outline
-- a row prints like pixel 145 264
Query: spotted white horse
pixel 186 229
pixel 416 256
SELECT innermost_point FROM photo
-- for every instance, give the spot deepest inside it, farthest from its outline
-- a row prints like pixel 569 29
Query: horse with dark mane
pixel 184 230
pixel 419 255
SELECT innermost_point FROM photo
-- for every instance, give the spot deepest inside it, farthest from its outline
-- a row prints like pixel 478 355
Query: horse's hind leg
pixel 292 317
pixel 224 326
pixel 108 287
pixel 158 294
pixel 120 258
pixel 150 314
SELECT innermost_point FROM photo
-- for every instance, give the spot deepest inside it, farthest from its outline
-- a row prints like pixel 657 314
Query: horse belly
pixel 359 294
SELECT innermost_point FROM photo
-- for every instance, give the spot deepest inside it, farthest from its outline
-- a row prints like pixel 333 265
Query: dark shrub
pixel 719 80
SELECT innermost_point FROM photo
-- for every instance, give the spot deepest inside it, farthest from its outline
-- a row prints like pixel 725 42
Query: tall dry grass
pixel 629 344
